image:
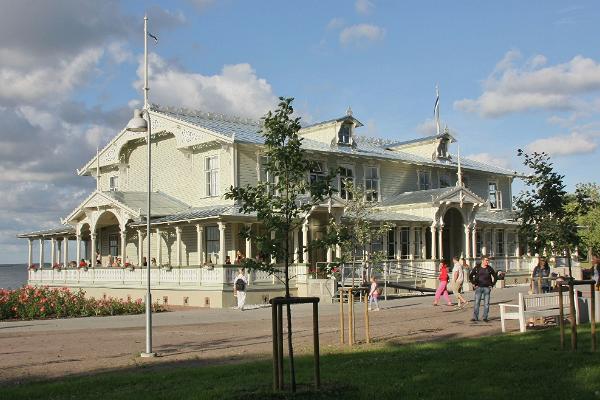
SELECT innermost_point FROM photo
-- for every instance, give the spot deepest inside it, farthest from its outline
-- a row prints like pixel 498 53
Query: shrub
pixel 30 302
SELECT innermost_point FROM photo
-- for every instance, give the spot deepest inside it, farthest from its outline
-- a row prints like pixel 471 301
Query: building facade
pixel 439 207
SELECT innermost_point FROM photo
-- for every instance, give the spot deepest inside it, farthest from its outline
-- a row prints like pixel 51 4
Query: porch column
pixel 423 242
pixel 92 251
pixel 441 242
pixel 272 258
pixel 178 245
pixel 249 243
pixel 338 248
pixel 123 246
pixel 29 252
pixel 474 242
pixel 384 242
pixel 66 250
pixel 305 241
pixel 221 259
pixel 158 248
pixel 467 241
pixel 296 238
pixel 517 250
pixel 411 242
pixel 200 243
pixel 140 248
pixel 398 236
pixel 494 243
pixel 52 252
pixel 484 249
pixel 58 251
pixel 41 252
pixel 78 248
pixel 433 242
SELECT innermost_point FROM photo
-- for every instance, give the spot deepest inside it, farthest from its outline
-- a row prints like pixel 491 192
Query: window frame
pixel 211 175
pixel 425 173
pixel 113 238
pixel 212 247
pixel 341 192
pixel 318 175
pixel 404 245
pixel 111 180
pixel 349 136
pixel 378 191
pixel 446 175
pixel 498 195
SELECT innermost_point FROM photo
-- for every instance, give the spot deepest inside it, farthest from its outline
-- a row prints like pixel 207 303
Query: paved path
pixel 53 348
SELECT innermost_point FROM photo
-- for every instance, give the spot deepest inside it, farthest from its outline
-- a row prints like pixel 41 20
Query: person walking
pixel 458 276
pixel 374 295
pixel 443 286
pixel 239 288
pixel 483 277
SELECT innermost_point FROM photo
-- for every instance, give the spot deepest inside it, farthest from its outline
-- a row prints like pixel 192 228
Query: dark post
pixel 275 347
pixel 593 316
pixel 573 316
pixel 280 344
pixel 316 344
pixel 561 316
pixel 367 333
pixel 342 334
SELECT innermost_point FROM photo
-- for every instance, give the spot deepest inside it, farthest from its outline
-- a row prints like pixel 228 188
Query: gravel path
pixel 55 348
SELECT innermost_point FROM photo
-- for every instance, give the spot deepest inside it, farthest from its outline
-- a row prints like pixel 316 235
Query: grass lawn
pixel 527 366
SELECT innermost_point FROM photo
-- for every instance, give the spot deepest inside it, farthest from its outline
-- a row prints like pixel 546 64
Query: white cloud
pixel 335 23
pixel 534 86
pixel 427 127
pixel 236 90
pixel 564 145
pixel 361 33
pixel 491 159
pixel 363 6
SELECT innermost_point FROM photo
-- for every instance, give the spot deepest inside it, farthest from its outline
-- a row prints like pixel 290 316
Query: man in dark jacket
pixel 483 277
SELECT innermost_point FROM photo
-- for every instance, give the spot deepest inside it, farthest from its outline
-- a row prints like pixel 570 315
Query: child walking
pixel 373 295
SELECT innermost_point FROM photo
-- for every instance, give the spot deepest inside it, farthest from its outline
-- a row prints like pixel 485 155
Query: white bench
pixel 535 305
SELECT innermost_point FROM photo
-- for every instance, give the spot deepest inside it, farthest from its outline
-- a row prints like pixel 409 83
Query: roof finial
pixel 349 111
pixel 446 130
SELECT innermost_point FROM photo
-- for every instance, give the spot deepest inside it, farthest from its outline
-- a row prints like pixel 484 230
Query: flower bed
pixel 31 302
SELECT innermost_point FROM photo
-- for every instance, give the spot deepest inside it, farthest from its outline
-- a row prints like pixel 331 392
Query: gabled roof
pixel 58 231
pixel 340 119
pixel 426 139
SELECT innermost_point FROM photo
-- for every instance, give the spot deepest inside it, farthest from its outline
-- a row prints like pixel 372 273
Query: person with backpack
pixel 239 288
pixel 483 277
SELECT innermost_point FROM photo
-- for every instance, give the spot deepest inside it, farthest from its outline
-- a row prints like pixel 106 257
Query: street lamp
pixel 139 124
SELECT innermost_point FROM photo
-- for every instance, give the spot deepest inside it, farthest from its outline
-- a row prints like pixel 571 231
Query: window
pixel 404 243
pixel 264 175
pixel 494 196
pixel 445 181
pixel 478 243
pixel 211 169
pixel 113 182
pixel 424 180
pixel 377 244
pixel 418 243
pixel 317 172
pixel 511 243
pixel 344 133
pixel 487 242
pixel 113 245
pixel 372 183
pixel 346 174
pixel 500 242
pixel 391 250
pixel 212 244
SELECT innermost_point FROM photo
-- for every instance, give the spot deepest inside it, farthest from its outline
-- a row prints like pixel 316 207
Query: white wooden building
pixel 197 156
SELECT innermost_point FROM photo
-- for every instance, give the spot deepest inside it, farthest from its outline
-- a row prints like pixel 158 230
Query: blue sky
pixel 511 75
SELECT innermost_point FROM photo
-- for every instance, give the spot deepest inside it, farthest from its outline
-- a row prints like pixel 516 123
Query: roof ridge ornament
pixel 349 111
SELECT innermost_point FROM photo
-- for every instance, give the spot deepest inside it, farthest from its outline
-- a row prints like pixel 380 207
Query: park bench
pixel 534 306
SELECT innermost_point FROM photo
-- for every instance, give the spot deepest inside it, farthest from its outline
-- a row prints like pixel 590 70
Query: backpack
pixel 240 285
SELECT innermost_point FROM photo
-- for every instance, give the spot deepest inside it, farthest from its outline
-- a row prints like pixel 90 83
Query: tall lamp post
pixel 139 124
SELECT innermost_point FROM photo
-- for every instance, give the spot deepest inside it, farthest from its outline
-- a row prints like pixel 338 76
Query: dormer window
pixel 344 135
pixel 113 183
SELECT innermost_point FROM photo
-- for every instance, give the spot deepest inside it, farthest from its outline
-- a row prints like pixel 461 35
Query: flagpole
pixel 436 109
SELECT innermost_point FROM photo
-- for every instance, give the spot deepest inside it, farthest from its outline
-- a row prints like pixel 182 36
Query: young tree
pixel 282 203
pixel 358 230
pixel 541 209
pixel 585 204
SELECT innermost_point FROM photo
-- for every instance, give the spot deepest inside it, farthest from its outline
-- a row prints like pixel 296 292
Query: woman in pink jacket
pixel 443 286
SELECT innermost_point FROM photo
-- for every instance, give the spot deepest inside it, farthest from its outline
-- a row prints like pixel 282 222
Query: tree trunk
pixel 289 316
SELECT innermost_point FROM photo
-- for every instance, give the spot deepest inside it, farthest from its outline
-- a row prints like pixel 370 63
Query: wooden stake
pixel 342 334
pixel 593 316
pixel 561 316
pixel 573 316
pixel 367 333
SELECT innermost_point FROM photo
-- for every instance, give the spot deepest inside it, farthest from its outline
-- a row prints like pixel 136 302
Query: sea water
pixel 13 276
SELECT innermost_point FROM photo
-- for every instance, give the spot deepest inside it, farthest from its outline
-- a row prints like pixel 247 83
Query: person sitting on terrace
pixel 153 262
pixel 239 257
pixel 227 260
pixel 208 262
pixel 145 263
pixel 82 263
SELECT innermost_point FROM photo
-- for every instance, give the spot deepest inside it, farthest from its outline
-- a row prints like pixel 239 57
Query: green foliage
pixel 30 302
pixel 357 230
pixel 585 204
pixel 282 204
pixel 546 223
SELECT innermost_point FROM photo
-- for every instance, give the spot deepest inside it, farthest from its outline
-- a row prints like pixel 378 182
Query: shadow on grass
pixel 530 366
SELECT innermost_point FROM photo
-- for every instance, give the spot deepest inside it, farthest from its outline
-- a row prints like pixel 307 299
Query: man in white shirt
pixel 239 288
pixel 458 276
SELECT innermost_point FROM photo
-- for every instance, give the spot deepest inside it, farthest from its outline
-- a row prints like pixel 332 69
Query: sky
pixel 511 75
